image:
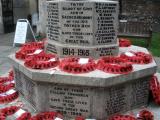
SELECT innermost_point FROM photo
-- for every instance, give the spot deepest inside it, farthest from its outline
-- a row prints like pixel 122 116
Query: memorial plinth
pixel 93 95
pixel 82 27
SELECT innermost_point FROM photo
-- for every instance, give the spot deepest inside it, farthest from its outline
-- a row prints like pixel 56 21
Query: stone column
pixel 85 28
pixel 41 27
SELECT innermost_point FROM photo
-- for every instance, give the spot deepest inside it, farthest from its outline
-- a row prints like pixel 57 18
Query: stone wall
pixel 145 10
pixel 1 22
pixel 20 9
pixel 41 27
pixel 32 6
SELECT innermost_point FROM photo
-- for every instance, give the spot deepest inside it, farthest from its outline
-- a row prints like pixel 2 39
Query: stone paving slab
pixel 4 68
pixel 4 48
pixel 7 51
pixel 4 62
pixel 7 39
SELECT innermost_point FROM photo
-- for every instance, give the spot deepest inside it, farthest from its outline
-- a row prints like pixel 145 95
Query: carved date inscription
pixel 77 52
pixel 70 101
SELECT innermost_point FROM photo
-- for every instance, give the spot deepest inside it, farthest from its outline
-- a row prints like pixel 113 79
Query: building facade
pixel 20 9
pixel 148 10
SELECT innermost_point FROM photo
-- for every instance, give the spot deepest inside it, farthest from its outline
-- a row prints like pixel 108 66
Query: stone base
pixel 91 102
pixel 92 95
pixel 64 50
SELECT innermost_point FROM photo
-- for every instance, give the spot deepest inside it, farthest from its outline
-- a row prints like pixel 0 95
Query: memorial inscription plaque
pixel 116 100
pixel 106 25
pixel 71 101
pixel 82 24
pixel 53 22
pixel 25 86
pixel 19 82
pixel 77 23
pixel 139 93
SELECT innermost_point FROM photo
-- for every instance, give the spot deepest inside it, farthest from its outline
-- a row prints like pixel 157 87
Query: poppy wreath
pixel 72 65
pixel 137 57
pixel 5 88
pixel 46 116
pixel 2 116
pixel 25 116
pixel 115 65
pixel 34 44
pixel 7 98
pixel 5 79
pixel 11 74
pixel 145 115
pixel 41 61
pixel 124 42
pixel 155 89
pixel 122 117
pixel 28 48
pixel 8 111
pixel 9 78
pixel 11 111
pixel 79 118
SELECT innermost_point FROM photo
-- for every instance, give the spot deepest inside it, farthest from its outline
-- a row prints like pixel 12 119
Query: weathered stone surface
pixel 41 27
pixel 82 22
pixel 82 27
pixel 94 102
pixel 93 95
pixel 64 50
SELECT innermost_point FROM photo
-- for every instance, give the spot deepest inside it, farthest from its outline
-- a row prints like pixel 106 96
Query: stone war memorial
pixel 91 75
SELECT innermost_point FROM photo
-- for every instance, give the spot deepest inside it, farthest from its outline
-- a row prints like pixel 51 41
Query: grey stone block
pixel 91 102
pixel 86 22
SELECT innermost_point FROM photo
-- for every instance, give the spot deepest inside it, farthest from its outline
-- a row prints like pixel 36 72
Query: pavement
pixel 6 43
